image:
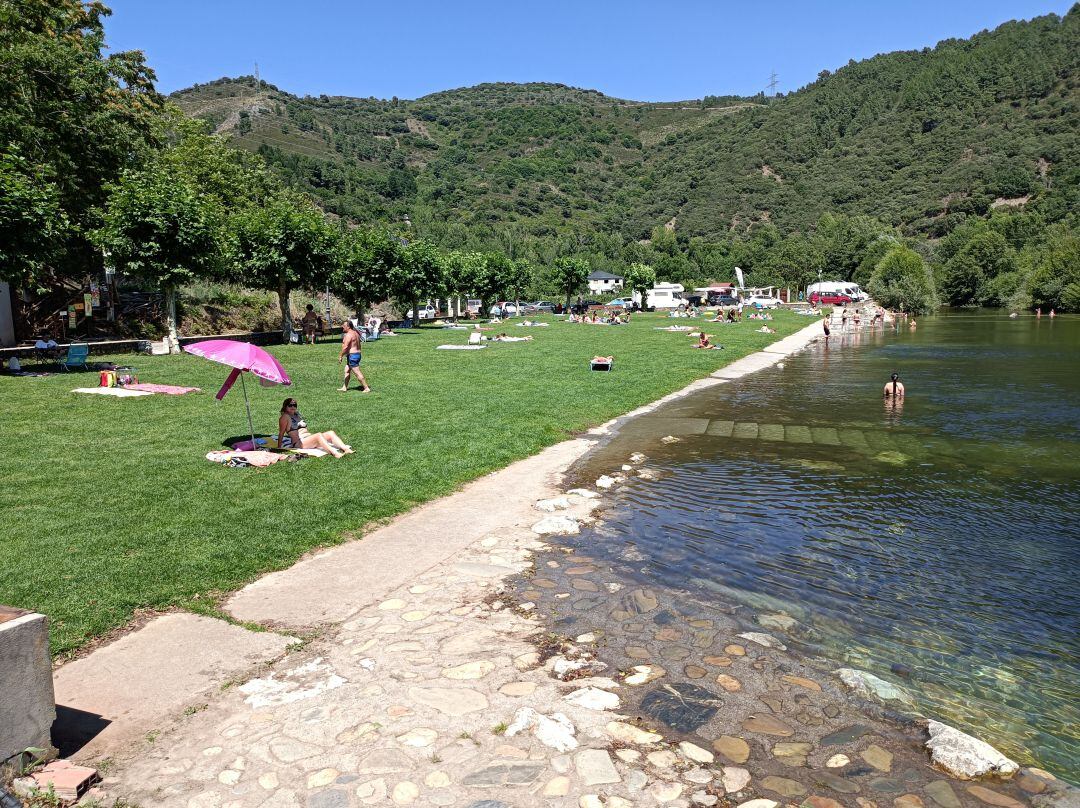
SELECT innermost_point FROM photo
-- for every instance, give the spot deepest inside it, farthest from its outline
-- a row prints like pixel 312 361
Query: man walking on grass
pixel 350 347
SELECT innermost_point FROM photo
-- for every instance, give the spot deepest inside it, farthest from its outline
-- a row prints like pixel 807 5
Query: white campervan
pixel 824 288
pixel 663 296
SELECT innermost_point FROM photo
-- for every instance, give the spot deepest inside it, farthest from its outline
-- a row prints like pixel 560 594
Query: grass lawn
pixel 110 505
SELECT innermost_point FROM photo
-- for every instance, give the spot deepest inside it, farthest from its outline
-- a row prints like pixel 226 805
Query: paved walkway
pixel 429 683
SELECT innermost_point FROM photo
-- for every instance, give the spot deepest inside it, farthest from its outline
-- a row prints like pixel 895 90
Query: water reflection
pixel 933 540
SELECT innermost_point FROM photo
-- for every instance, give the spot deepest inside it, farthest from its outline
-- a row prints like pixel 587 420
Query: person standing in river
pixel 825 327
pixel 350 347
pixel 894 388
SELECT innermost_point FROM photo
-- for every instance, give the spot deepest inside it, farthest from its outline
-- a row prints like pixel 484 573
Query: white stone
pixel 557 526
pixel 605 482
pixel 695 753
pixel 618 802
pixel 589 801
pixel 405 792
pixel 421 736
pixel 837 761
pixel 965 757
pixel 642 674
pixel 553 504
pixel 556 730
pixel 593 698
pixel 670 439
pixel 627 467
pixel 563 667
pixel 469 670
pixel 628 755
pixel 584 493
pixel 372 791
pixel 871 687
pixel 662 759
pixel 637 457
pixel 782 622
pixel 628 733
pixel 759 803
pixel 595 768
pixel 703 798
pixel 665 792
pixel 735 779
pixel 768 640
pixel 558 786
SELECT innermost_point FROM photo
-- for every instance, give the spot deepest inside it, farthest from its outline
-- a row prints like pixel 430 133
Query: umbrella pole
pixel 247 405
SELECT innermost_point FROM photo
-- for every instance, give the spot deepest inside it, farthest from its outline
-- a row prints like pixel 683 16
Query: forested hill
pixel 918 139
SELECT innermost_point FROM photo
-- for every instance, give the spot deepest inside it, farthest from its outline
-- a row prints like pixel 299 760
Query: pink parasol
pixel 241 356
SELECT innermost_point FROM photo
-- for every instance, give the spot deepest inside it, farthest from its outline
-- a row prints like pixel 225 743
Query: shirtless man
pixel 894 388
pixel 350 347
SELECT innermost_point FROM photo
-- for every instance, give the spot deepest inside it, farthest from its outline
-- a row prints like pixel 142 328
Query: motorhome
pixel 834 288
pixel 663 296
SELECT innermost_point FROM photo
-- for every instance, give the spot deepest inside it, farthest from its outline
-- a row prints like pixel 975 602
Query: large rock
pixel 555 730
pixel 965 757
pixel 556 526
pixel 871 687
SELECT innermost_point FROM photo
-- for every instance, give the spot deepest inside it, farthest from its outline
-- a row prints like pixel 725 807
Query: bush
pixel 902 280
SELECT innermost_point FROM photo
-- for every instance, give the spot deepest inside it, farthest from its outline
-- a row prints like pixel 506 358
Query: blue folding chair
pixel 76 357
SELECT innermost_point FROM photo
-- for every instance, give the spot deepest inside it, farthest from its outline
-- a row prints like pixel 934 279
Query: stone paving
pixel 460 690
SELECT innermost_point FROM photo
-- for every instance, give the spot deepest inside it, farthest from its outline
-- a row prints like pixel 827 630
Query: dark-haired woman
pixel 293 433
pixel 894 388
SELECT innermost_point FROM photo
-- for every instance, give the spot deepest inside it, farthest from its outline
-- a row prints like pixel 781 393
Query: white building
pixel 601 282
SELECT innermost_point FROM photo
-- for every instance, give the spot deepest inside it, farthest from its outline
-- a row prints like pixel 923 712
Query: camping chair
pixel 372 330
pixel 76 357
pixel 475 338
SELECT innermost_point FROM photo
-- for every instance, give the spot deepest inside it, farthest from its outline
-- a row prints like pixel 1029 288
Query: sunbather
pixel 703 342
pixel 293 433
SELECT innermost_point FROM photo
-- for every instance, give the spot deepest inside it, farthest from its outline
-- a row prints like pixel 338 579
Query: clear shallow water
pixel 937 546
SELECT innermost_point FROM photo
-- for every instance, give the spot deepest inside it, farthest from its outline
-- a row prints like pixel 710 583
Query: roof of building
pixel 600 275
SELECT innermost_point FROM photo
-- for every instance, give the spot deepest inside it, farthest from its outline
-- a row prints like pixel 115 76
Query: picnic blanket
pixel 235 459
pixel 460 347
pixel 119 392
pixel 165 389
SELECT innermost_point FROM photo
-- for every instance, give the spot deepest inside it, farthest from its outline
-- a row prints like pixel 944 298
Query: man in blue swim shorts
pixel 350 349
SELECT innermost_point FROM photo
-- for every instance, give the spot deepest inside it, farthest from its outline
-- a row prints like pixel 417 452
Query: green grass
pixel 110 506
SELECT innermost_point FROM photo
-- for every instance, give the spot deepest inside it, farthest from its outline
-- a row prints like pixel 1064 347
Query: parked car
pixel 504 309
pixel 544 306
pixel 830 298
pixel 761 302
pixel 426 312
pixel 723 300
pixel 620 302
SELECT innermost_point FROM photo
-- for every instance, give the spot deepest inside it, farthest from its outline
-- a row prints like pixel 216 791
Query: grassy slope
pixel 112 506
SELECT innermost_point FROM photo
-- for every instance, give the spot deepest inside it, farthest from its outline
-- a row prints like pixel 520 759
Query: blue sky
pixel 645 51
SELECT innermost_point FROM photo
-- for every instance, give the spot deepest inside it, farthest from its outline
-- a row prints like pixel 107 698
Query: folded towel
pixel 119 392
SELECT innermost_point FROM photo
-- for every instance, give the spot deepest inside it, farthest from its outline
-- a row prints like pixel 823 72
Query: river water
pixel 936 545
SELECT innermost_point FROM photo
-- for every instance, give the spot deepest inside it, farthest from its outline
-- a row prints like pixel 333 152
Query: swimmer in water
pixel 912 324
pixel 894 388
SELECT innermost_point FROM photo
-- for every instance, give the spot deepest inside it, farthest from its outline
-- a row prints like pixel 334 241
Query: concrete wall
pixel 7 321
pixel 27 709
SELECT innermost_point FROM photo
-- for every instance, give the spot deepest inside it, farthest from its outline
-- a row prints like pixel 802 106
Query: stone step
pixel 745 430
pixel 798 433
pixel 771 432
pixel 722 429
pixel 826 435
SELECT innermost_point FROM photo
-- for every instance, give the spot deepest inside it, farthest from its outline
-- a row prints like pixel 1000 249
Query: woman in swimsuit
pixel 894 388
pixel 293 433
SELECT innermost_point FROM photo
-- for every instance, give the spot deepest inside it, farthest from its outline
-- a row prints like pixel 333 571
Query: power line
pixel 771 86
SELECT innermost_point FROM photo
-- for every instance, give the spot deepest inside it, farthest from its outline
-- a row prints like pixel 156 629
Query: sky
pixel 644 51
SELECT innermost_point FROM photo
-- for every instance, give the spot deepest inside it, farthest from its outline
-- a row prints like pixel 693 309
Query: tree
pixel 362 274
pixel 281 245
pixel 641 278
pixel 160 226
pixel 418 272
pixel 902 280
pixel 72 119
pixel 569 274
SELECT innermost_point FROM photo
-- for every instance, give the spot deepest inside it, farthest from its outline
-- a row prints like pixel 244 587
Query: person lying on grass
pixel 293 433
pixel 504 337
pixel 703 342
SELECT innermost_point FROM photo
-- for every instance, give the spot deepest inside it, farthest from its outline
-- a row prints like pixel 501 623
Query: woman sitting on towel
pixel 293 433
pixel 703 342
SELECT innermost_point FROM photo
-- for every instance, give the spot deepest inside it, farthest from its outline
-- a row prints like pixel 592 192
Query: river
pixel 935 545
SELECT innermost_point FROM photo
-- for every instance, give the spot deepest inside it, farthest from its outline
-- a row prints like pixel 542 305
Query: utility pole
pixel 258 83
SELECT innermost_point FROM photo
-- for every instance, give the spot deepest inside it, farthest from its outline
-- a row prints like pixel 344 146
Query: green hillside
pixel 917 139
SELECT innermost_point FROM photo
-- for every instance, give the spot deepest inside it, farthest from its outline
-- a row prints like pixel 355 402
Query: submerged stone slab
pixel 825 435
pixel 682 706
pixel 771 432
pixel 745 430
pixel 721 429
pixel 798 433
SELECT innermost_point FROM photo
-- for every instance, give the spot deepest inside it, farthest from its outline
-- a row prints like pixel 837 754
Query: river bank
pixel 424 681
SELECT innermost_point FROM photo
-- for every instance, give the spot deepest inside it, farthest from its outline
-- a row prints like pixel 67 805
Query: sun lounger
pixel 475 338
pixel 602 362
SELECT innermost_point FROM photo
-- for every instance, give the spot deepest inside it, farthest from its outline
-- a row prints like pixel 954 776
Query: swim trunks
pixel 354 360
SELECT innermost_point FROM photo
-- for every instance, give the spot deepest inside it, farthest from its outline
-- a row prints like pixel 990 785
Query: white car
pixel 506 309
pixel 761 302
pixel 426 312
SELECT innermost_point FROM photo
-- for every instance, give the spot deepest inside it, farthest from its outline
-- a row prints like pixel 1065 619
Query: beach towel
pixel 236 459
pixel 164 389
pixel 460 347
pixel 119 392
